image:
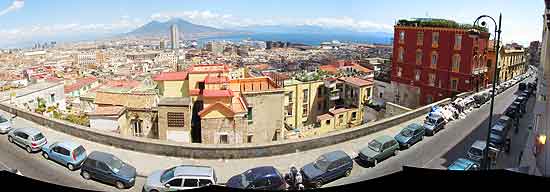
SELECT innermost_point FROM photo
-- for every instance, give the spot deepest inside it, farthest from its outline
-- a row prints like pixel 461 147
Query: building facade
pixel 431 63
pixel 512 62
pixel 534 52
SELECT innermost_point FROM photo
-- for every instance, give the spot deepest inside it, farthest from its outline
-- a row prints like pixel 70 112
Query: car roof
pixel 504 117
pixel 461 163
pixel 498 127
pixel 414 126
pixel 194 170
pixel 263 171
pixel 100 156
pixel 68 144
pixel 335 155
pixel 479 144
pixel 29 130
pixel 383 138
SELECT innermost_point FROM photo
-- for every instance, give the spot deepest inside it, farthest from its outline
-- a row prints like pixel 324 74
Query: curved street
pixel 433 152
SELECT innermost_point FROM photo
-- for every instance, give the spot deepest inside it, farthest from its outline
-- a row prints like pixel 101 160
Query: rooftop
pixel 356 81
pixel 79 84
pixel 439 23
pixel 208 68
pixel 174 101
pixel 107 111
pixel 171 76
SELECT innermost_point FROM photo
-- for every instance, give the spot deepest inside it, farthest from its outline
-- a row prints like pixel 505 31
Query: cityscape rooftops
pixel 174 101
pixel 79 84
pixel 215 79
pixel 208 68
pixel 107 111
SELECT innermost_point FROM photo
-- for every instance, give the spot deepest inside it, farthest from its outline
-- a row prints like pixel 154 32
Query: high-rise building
pixel 174 36
pixel 534 52
pixel 162 44
pixel 432 62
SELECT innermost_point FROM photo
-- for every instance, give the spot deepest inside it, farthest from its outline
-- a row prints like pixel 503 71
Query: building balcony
pixel 334 97
pixel 330 83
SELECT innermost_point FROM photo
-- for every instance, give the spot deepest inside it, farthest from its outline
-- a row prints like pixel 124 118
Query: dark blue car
pixel 410 135
pixel 327 167
pixel 259 178
pixel 109 169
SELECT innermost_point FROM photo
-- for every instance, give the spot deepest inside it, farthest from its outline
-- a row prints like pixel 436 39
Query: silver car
pixel 5 125
pixel 29 138
pixel 180 177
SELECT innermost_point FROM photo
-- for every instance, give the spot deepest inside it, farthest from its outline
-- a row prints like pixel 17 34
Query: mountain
pixel 162 29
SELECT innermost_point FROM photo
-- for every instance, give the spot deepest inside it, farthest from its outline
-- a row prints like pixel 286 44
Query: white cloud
pixel 15 5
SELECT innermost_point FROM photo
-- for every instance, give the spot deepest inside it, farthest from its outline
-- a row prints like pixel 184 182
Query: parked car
pixel 109 169
pixel 5 125
pixel 512 111
pixel 327 167
pixel 180 177
pixel 259 178
pixel 521 107
pixel 29 138
pixel 410 135
pixel 497 136
pixel 462 164
pixel 433 124
pixel 379 149
pixel 522 86
pixel 66 153
pixel 475 153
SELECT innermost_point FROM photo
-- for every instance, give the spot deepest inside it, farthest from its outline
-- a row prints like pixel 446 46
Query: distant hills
pixel 185 28
pixel 195 31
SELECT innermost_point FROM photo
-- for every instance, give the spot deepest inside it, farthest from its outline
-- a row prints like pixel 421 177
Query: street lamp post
pixel 485 162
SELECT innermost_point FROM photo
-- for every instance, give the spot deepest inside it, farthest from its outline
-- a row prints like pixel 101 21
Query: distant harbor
pixel 302 38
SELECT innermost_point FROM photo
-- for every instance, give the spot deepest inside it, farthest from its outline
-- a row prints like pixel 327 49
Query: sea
pixel 302 38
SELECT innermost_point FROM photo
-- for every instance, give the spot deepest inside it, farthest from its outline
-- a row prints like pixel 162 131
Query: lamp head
pixel 483 23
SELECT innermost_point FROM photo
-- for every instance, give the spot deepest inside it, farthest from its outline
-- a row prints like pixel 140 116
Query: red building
pixel 435 59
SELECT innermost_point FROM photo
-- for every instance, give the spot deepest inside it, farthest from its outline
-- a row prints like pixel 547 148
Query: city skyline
pixel 27 21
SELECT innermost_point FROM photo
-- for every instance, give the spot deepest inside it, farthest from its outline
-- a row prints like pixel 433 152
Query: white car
pixel 5 125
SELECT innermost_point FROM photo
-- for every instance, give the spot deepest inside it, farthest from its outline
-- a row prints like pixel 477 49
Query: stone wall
pixel 393 109
pixel 213 151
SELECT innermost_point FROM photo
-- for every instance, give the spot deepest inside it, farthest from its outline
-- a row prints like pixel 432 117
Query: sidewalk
pixel 147 163
pixel 528 158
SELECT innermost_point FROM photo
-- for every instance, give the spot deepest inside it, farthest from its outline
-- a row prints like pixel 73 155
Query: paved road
pixel 36 167
pixel 431 152
pixel 439 151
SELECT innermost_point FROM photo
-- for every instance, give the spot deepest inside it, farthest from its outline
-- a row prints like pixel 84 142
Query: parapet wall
pixel 208 151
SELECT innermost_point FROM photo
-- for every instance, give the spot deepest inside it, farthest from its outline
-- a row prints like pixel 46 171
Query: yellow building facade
pixel 512 63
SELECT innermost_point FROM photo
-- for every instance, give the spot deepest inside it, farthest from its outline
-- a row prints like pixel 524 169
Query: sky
pixel 29 20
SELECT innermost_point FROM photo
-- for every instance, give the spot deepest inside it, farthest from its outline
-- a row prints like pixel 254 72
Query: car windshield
pixel 431 121
pixel 475 151
pixel 375 145
pixel 79 151
pixel 247 178
pixel 38 137
pixel 3 120
pixel 407 132
pixel 168 174
pixel 116 164
pixel 321 163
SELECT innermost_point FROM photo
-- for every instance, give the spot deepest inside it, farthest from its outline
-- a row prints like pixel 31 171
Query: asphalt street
pixel 439 151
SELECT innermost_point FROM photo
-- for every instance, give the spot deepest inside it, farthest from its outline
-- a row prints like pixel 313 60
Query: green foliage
pixel 439 23
pixel 78 119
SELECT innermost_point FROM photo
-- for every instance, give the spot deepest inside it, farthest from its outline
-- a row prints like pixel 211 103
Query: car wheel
pixel 29 149
pixel 45 155
pixel 85 175
pixel 10 139
pixel 119 185
pixel 318 184
pixel 408 145
pixel 348 172
pixel 70 167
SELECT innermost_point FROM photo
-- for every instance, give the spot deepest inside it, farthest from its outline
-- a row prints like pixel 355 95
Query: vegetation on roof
pixel 443 23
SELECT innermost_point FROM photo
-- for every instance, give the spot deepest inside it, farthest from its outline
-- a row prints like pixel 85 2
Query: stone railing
pixel 209 151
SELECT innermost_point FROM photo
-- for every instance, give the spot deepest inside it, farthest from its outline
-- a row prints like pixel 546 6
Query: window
pixel 136 127
pixel 401 36
pixel 369 92
pixel 353 116
pixel 52 98
pixel 249 138
pixel 458 42
pixel 454 84
pixel 204 182
pixel 175 119
pixel 439 84
pixel 456 63
pixel 341 119
pixel 306 95
pixel 434 60
pixel 305 108
pixel 290 97
pixel 417 75
pixel 431 79
pixel 401 54
pixel 435 39
pixel 327 122
pixel 429 99
pixel 102 166
pixel 191 183
pixel 419 57
pixel 249 115
pixel 419 38
pixel 175 183
pixel 64 151
pixel 224 139
pixel 289 110
pixel 399 71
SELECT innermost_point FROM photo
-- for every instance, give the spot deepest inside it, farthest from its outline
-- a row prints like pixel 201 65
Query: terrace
pixel 440 23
